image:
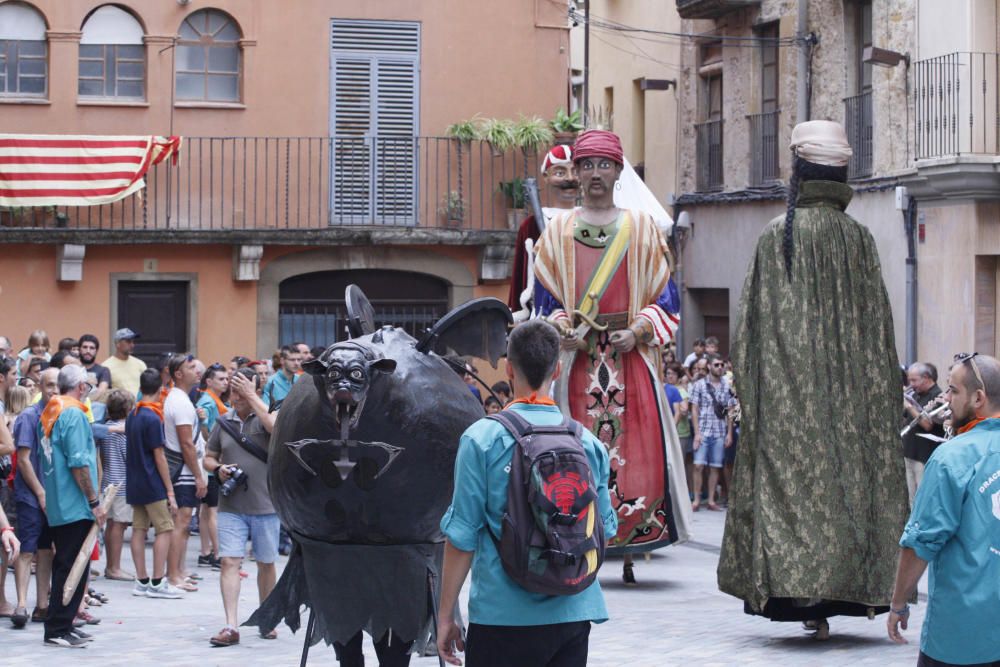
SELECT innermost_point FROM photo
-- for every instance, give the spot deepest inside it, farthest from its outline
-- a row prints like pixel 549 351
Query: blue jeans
pixel 260 529
pixel 711 452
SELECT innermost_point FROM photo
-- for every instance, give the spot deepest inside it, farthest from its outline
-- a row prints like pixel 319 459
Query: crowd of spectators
pixel 169 435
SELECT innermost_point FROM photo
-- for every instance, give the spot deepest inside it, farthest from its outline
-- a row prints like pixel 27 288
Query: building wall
pixel 645 120
pixel 513 55
pixel 287 65
pixel 227 311
pixel 732 223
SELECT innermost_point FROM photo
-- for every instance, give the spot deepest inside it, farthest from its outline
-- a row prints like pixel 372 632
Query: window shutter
pixel 374 121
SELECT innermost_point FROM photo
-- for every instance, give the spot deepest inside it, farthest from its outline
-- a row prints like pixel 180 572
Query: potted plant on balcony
pixel 532 133
pixel 499 134
pixel 517 199
pixel 566 126
pixel 464 133
pixel 452 209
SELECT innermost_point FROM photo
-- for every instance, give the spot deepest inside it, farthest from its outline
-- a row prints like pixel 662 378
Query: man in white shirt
pixel 185 449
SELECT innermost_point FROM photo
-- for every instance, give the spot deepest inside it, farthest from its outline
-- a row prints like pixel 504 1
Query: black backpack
pixel 552 536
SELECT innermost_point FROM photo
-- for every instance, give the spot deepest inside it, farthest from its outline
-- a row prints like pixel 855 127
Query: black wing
pixel 360 314
pixel 477 328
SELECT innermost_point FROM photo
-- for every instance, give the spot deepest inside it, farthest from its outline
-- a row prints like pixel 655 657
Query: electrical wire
pixel 601 23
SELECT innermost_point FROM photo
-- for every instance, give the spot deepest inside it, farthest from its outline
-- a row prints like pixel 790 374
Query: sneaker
pixel 164 591
pixel 216 562
pixel 139 589
pixel 80 634
pixel 205 561
pixel 226 637
pixel 68 640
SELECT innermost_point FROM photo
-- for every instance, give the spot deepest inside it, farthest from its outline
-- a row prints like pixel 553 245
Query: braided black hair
pixel 803 171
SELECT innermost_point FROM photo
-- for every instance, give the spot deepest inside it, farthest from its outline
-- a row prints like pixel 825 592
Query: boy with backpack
pixel 530 516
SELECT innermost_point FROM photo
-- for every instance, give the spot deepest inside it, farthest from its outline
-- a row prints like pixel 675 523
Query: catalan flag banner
pixel 75 170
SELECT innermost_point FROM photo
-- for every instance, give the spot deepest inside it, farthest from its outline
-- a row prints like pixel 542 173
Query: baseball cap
pixel 125 334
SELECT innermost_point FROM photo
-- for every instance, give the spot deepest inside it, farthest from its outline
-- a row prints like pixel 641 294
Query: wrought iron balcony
pixel 957 105
pixel 710 9
pixel 860 134
pixel 288 189
pixel 710 172
pixel 764 148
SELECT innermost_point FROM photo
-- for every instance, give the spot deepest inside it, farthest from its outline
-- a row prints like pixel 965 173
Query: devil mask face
pixel 347 370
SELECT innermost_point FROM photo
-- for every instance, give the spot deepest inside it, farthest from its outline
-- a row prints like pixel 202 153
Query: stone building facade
pixel 740 98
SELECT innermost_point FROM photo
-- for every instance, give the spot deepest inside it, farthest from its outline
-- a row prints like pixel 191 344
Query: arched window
pixel 112 55
pixel 23 51
pixel 209 58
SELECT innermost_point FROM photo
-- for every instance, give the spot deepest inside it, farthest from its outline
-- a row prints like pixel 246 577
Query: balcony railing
pixel 860 134
pixel 709 155
pixel 710 9
pixel 957 105
pixel 306 184
pixel 763 148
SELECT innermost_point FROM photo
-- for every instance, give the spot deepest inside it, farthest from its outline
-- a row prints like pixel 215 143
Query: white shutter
pixel 374 121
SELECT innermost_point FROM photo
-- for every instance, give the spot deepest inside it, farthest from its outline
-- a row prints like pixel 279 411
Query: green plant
pixel 499 133
pixel 465 131
pixel 564 122
pixel 532 133
pixel 514 190
pixel 452 207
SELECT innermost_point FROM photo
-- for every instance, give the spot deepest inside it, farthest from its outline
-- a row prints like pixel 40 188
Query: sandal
pixel 186 586
pixel 98 596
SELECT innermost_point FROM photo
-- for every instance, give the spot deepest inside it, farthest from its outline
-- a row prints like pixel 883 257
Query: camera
pixel 237 478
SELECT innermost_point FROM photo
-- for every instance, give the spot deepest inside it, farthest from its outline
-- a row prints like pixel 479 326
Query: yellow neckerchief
pixel 606 268
pixel 55 407
pixel 219 405
pixel 532 399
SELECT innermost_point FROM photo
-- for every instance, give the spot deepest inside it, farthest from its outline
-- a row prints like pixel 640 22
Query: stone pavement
pixel 676 616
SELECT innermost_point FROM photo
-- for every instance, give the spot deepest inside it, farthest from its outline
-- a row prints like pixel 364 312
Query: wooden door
pixel 158 312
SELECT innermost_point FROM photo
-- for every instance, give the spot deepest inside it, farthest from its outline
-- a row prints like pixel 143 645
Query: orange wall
pixel 493 58
pixel 30 296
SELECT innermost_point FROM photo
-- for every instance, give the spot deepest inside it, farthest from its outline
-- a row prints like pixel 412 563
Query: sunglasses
pixel 216 367
pixel 970 357
pixel 718 365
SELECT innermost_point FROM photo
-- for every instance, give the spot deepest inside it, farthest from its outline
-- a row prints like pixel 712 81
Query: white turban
pixel 821 142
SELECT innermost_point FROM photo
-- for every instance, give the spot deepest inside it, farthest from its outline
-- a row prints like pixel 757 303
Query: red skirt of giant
pixel 616 397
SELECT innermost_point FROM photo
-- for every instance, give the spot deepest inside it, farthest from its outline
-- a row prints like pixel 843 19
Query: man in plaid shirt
pixel 713 429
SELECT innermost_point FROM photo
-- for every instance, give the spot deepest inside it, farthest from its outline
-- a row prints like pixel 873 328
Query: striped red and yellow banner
pixel 71 170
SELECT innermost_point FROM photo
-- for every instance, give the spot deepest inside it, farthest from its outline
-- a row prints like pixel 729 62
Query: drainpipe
pixel 910 228
pixel 802 74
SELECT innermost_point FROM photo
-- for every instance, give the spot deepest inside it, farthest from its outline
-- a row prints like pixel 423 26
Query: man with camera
pixel 237 453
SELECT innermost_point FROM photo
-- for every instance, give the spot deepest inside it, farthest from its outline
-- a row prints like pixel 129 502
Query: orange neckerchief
pixel 532 399
pixel 164 390
pixel 155 406
pixel 974 423
pixel 220 406
pixel 55 407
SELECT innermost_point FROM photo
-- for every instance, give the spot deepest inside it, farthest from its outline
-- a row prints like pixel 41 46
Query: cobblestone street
pixel 676 616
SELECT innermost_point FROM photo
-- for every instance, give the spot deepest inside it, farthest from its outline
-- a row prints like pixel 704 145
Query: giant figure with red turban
pixel 603 278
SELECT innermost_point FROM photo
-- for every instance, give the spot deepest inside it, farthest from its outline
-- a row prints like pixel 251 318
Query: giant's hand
pixel 623 340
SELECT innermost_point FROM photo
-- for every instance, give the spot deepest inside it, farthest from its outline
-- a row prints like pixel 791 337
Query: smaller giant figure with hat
pixel 563 190
pixel 819 494
pixel 603 278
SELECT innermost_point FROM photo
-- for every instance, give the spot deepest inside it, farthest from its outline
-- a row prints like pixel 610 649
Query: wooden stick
pixel 83 558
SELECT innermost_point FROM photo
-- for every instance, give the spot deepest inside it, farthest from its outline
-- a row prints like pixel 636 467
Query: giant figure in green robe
pixel 818 499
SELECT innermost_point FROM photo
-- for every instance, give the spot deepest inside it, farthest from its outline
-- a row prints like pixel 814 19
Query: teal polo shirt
pixel 71 445
pixel 277 388
pixel 480 499
pixel 955 526
pixel 211 410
